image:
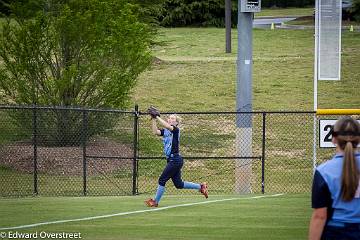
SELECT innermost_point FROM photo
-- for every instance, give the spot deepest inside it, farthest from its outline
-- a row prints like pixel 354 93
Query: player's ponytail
pixel 347 133
pixel 350 174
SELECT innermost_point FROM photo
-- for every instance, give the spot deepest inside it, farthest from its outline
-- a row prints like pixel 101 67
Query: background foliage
pixel 175 13
pixel 355 10
pixel 72 53
pixel 82 53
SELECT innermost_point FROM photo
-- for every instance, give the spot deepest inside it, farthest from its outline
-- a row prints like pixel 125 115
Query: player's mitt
pixel 153 112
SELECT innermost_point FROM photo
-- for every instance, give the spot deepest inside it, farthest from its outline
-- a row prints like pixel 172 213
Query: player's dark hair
pixel 347 133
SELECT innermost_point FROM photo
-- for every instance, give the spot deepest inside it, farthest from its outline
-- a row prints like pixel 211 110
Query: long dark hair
pixel 347 133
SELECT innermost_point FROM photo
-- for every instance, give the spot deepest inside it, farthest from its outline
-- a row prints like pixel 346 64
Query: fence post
pixel 263 153
pixel 35 149
pixel 84 139
pixel 136 123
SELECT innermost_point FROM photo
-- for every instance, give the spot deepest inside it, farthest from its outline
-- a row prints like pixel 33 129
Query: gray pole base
pixel 243 167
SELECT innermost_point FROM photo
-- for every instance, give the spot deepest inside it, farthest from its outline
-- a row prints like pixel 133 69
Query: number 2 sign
pixel 326 128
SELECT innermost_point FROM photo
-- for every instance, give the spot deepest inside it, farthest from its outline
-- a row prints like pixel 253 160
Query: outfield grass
pixel 284 217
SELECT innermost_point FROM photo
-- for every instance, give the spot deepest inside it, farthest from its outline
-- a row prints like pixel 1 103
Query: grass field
pixel 245 217
pixel 203 77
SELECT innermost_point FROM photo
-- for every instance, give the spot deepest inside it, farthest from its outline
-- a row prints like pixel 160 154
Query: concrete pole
pixel 244 103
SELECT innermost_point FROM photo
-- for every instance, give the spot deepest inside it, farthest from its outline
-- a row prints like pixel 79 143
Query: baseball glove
pixel 153 112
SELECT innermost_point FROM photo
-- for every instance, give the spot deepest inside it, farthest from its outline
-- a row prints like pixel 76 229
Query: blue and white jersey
pixel 171 141
pixel 326 191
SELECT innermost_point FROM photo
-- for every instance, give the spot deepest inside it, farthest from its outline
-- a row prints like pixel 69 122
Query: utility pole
pixel 246 9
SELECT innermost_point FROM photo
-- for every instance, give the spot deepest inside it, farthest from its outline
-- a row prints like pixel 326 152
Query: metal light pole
pixel 243 167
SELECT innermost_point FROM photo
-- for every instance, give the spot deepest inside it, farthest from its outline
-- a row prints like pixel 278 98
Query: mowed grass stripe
pixel 284 217
pixel 134 212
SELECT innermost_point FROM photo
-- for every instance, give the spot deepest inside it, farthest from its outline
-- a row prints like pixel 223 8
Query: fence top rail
pixel 81 109
pixel 338 111
pixel 253 112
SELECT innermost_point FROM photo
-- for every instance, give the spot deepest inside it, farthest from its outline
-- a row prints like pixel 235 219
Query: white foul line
pixel 134 212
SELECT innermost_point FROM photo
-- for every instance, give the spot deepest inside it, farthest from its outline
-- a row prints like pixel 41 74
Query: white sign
pixel 329 40
pixel 326 128
pixel 250 6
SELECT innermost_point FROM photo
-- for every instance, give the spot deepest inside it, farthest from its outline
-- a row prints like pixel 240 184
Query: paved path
pixel 263 22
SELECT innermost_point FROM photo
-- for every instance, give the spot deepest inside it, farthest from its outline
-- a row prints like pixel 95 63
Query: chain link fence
pixel 55 151
pixel 208 146
pixel 66 151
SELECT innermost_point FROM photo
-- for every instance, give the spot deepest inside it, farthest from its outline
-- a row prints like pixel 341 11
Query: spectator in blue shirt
pixel 171 139
pixel 336 187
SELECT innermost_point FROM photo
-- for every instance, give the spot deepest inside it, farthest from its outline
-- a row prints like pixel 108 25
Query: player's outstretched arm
pixel 154 127
pixel 164 123
pixel 155 115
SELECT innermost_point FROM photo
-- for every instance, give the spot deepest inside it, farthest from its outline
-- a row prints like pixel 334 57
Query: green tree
pixel 73 53
pixel 177 13
pixel 209 12
pixel 150 9
pixel 355 10
pixel 4 7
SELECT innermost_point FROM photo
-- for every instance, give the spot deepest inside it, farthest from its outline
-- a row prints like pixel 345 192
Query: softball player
pixel 171 140
pixel 336 187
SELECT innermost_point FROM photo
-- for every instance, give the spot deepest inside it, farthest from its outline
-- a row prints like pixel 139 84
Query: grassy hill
pixel 195 74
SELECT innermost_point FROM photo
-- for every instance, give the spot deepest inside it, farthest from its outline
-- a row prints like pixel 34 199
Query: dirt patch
pixel 287 153
pixel 157 61
pixel 191 164
pixel 68 160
